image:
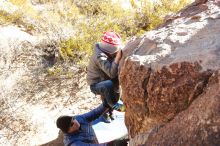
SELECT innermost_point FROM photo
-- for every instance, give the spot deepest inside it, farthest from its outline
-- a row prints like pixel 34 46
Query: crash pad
pixel 106 132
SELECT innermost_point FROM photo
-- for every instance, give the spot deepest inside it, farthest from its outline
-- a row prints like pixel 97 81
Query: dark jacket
pixel 85 136
pixel 101 67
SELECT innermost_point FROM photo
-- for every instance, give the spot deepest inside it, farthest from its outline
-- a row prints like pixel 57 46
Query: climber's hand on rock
pixel 118 56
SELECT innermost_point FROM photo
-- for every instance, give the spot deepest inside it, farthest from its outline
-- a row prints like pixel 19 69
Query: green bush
pixel 97 16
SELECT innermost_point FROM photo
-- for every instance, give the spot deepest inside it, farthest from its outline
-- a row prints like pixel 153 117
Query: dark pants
pixel 107 90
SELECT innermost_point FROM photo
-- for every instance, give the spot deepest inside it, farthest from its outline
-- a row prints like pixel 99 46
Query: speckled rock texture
pixel 198 125
pixel 170 80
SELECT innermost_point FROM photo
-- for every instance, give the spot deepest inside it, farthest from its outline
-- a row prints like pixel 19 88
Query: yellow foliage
pixel 19 3
pixel 156 12
pixel 103 15
pixel 90 18
pixel 133 3
pixel 54 71
pixel 9 18
pixel 26 8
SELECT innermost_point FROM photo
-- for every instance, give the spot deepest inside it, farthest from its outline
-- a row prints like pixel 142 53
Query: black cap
pixel 63 122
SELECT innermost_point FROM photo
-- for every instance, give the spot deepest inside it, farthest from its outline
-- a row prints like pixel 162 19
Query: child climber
pixel 102 71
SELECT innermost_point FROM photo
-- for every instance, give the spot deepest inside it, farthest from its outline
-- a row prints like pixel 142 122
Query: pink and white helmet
pixel 111 42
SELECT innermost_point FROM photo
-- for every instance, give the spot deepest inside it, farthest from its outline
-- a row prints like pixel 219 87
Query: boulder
pixel 167 75
pixel 197 125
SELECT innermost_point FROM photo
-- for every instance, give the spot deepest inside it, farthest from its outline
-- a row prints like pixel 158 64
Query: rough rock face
pixel 198 125
pixel 170 80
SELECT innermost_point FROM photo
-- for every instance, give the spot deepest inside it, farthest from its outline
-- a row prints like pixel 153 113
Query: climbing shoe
pixel 106 118
pixel 119 107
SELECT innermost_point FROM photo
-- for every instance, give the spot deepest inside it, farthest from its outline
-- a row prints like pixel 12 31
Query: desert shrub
pixel 19 3
pixel 155 12
pixel 89 18
pixel 15 18
pixel 94 7
pixel 25 6
pixel 97 16
pixel 9 18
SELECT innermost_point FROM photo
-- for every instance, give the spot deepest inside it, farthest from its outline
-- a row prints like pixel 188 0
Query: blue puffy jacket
pixel 85 136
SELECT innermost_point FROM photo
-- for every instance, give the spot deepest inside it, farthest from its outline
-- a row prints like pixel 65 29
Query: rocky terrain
pixel 170 80
pixel 31 97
